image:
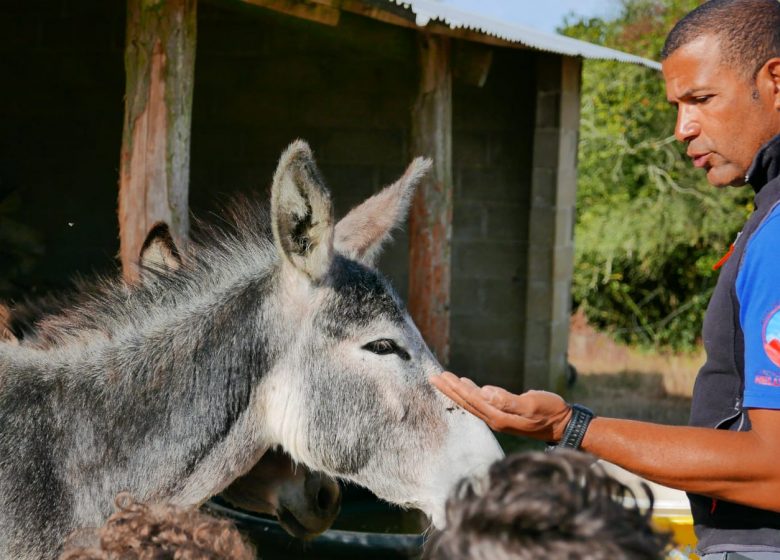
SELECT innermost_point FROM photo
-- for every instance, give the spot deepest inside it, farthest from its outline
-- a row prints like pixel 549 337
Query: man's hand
pixel 535 414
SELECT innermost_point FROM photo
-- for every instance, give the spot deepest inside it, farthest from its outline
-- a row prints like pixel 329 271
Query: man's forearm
pixel 736 466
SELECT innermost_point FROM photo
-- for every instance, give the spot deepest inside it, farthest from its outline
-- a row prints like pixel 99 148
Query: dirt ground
pixel 623 382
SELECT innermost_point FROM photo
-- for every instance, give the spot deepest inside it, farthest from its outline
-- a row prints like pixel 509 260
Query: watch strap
pixel 576 428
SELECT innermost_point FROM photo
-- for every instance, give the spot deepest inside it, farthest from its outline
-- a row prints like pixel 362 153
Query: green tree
pixel 649 227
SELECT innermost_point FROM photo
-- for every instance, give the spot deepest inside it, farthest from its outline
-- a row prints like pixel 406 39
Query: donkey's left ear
pixel 159 251
pixel 361 233
pixel 301 213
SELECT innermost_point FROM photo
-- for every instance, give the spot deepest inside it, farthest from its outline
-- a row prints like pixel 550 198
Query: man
pixel 721 65
pixel 554 506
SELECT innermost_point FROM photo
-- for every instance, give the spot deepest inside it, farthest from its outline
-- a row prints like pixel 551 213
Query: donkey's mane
pixel 238 247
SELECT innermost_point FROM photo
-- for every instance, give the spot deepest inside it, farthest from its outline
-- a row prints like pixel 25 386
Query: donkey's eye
pixel 385 346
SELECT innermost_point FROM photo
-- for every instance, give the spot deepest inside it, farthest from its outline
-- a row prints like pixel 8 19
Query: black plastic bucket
pixel 372 538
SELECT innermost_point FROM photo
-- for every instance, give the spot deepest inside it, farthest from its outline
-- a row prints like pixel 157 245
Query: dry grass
pixel 623 382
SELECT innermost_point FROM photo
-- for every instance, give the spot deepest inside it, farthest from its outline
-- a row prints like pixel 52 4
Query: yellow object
pixel 681 527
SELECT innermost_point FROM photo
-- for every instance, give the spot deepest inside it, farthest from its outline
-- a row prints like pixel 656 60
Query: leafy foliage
pixel 649 227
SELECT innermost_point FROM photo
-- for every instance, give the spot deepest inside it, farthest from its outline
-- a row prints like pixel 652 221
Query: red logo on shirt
pixel 771 336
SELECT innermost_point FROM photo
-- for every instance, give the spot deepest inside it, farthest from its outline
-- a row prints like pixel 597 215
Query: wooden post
pixel 155 157
pixel 430 227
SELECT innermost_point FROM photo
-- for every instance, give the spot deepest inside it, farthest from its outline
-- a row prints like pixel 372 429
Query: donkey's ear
pixel 159 251
pixel 6 334
pixel 361 233
pixel 301 212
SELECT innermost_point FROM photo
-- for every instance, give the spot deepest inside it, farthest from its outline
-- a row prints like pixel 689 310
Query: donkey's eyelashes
pixel 385 346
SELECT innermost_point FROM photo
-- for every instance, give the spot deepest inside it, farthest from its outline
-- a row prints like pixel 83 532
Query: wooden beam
pixel 471 63
pixel 430 228
pixel 320 11
pixel 155 156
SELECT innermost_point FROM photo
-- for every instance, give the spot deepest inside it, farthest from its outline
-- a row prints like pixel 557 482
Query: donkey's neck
pixel 164 408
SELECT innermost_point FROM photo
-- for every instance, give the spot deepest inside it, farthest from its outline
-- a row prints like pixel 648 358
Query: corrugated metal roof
pixel 456 16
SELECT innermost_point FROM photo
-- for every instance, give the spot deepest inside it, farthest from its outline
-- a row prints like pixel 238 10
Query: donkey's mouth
pixel 292 525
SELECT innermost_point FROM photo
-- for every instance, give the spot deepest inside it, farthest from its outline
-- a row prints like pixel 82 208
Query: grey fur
pixel 172 389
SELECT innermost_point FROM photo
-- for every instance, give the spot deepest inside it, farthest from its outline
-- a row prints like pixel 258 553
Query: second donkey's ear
pixel 301 213
pixel 159 251
pixel 6 334
pixel 361 233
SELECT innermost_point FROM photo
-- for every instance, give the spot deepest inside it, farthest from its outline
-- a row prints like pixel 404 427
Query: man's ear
pixel 159 252
pixel 772 67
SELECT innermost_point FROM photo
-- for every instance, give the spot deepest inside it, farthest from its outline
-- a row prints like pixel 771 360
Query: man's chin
pixel 723 177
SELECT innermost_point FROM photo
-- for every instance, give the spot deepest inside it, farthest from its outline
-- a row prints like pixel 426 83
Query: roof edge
pixel 455 17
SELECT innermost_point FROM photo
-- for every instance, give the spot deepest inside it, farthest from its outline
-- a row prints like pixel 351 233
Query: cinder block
pixel 469 221
pixel 506 221
pixel 548 109
pixel 547 147
pixel 504 299
pixel 563 264
pixel 539 306
pixel 543 228
pixel 492 185
pixel 486 259
pixel 544 187
pixel 467 295
pixel 469 149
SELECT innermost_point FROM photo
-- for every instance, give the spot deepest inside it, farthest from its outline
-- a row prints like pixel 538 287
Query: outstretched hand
pixel 536 414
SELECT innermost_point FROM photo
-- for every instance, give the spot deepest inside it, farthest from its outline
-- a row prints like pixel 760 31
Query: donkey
pixel 174 388
pixel 305 503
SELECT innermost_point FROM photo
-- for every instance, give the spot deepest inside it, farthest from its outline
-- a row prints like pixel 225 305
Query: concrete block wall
pixel 492 154
pixel 551 227
pixel 263 79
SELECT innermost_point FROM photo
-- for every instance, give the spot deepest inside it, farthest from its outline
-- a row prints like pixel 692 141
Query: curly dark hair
pixel 138 531
pixel 557 506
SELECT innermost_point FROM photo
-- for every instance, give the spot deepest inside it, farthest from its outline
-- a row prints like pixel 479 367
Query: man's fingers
pixel 502 399
pixel 449 386
pixel 469 382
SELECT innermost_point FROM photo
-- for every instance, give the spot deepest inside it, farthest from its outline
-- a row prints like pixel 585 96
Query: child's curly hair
pixel 138 531
pixel 556 506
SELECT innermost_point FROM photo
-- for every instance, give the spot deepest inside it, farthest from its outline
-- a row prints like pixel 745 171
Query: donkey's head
pixel 349 393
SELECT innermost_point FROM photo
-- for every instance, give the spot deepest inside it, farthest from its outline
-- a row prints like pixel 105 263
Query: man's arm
pixel 740 467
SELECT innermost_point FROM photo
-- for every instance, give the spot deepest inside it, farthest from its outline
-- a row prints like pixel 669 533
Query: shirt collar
pixel 766 165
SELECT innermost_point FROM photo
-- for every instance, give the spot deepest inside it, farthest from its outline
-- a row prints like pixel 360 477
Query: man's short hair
pixel 749 31
pixel 555 506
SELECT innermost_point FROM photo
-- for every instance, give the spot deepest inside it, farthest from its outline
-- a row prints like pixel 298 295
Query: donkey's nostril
pixel 325 499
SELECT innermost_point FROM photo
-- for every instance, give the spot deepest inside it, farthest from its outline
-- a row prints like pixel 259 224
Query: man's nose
pixel 687 127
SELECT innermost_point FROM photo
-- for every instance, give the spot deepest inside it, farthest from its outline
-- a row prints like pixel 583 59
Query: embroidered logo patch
pixel 772 336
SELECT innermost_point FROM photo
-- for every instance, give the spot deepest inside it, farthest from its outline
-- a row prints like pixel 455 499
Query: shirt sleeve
pixel 758 292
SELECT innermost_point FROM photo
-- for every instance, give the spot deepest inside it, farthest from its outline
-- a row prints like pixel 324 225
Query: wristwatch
pixel 575 429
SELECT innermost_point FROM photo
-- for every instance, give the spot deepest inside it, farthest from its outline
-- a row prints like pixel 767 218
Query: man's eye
pixel 385 346
pixel 702 98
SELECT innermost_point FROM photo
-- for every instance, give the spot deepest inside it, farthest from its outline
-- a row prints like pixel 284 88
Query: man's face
pixel 723 115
